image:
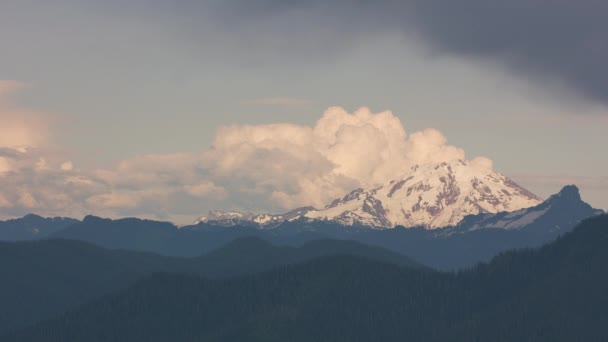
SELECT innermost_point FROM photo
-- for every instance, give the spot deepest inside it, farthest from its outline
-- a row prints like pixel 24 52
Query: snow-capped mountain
pixel 233 218
pixel 432 196
pixel 561 211
pixel 224 218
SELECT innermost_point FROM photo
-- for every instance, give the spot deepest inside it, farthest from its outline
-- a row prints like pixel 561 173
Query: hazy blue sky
pixel 123 91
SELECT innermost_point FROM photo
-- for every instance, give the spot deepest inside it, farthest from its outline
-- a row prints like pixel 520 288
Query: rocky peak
pixel 568 193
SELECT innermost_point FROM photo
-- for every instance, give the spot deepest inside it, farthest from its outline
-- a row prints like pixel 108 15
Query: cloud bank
pixel 560 41
pixel 32 177
pixel 272 167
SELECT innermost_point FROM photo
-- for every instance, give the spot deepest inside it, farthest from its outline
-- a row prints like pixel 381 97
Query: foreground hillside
pixel 45 278
pixel 556 293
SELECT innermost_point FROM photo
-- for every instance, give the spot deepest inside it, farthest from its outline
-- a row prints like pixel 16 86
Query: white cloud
pixel 67 166
pixel 31 176
pixel 290 165
pixel 114 200
pixel 259 167
pixel 42 165
pixel 27 200
pixel 206 189
pixel 5 165
pixel 249 167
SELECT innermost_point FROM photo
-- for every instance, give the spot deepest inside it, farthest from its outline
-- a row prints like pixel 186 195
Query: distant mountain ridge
pixel 476 238
pixel 33 227
pixel 431 196
pixel 234 218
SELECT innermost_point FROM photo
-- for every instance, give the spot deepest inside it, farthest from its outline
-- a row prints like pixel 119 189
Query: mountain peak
pixel 226 218
pixel 33 217
pixel 570 192
pixel 93 219
pixel 432 195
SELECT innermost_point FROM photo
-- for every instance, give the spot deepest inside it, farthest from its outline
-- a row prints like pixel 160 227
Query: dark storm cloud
pixel 560 39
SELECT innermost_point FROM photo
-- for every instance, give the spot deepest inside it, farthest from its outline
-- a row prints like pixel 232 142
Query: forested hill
pixel 556 293
pixel 45 278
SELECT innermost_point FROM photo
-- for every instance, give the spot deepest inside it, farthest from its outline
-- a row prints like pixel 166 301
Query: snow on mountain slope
pixel 227 218
pixel 432 196
pixel 564 209
pixel 233 218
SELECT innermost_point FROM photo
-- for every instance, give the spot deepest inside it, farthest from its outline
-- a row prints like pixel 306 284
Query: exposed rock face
pixel 560 212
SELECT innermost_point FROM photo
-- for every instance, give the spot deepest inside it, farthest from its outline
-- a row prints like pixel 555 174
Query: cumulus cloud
pixel 67 166
pixel 32 177
pixel 206 189
pixel 272 167
pixel 114 200
pixel 5 165
pixel 35 182
pixel 291 165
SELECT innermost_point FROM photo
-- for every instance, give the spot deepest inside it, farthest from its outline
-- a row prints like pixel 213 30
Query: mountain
pixel 430 196
pixel 560 212
pixel 46 277
pixel 153 236
pixel 235 218
pixel 128 233
pixel 555 293
pixel 225 218
pixel 32 227
pixel 477 238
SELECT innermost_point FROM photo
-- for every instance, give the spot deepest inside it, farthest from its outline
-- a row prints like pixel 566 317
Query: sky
pixel 168 109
